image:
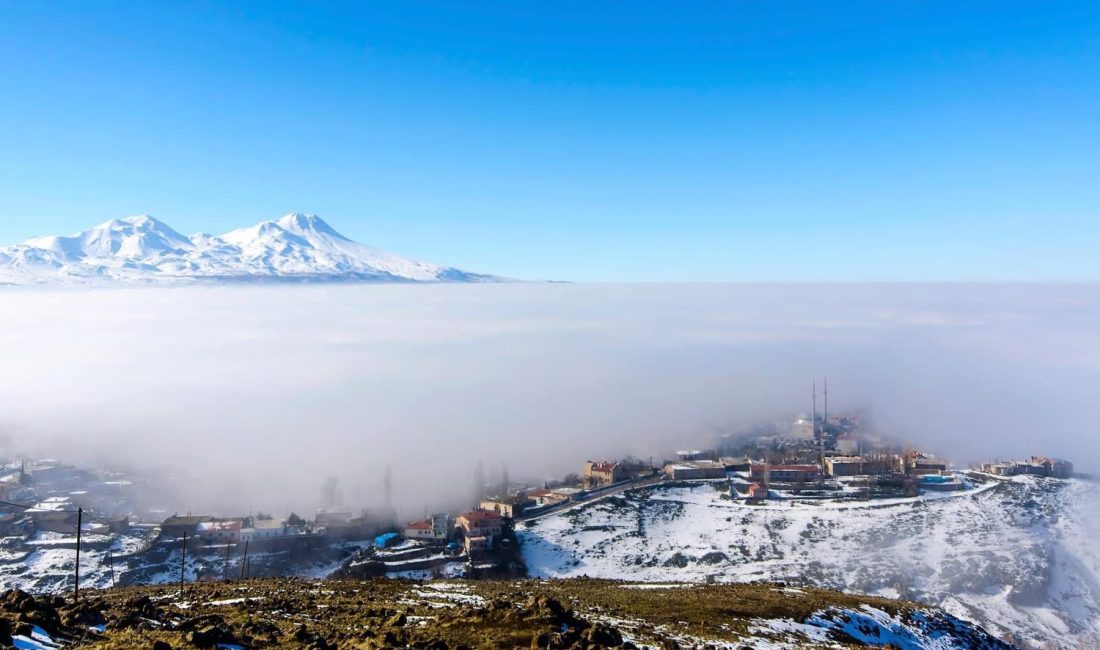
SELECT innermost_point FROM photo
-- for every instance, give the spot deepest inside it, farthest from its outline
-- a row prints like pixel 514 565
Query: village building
pixel 997 468
pixel 418 530
pixel 477 545
pixel 15 524
pixel 480 523
pixel 435 528
pixel 601 473
pixel 509 506
pixel 268 529
pixel 694 470
pixel 921 465
pixel 219 531
pixel 54 521
pixel 737 464
pixel 845 466
pixel 566 493
pixel 177 526
pixel 784 473
pixel 757 491
pixel 54 514
pixel 1059 468
pixel 1036 465
pixel 543 497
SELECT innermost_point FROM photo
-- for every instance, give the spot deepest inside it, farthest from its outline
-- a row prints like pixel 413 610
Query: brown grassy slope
pixel 386 613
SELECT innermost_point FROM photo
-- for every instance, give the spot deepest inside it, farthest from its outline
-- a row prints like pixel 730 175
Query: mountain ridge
pixel 142 249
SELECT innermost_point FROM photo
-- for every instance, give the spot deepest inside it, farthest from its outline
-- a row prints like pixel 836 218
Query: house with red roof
pixel 600 473
pixel 480 523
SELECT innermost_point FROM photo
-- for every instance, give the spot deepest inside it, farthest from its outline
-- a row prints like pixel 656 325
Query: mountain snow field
pixel 297 247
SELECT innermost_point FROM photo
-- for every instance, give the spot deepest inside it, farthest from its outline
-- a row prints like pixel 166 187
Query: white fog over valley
pixel 249 397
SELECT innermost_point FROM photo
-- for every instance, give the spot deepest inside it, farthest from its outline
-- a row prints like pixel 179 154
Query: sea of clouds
pixel 249 397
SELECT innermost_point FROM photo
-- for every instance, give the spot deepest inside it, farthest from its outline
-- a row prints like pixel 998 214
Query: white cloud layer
pixel 257 394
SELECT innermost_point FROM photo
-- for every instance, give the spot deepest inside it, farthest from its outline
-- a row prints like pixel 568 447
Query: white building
pixel 262 529
pixel 434 528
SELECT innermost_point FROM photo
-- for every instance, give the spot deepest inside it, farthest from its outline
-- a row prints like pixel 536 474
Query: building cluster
pixel 1036 465
pixel 818 456
pixel 45 496
pixel 279 532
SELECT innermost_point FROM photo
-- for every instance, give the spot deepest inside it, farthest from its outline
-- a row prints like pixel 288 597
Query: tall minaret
pixel 825 424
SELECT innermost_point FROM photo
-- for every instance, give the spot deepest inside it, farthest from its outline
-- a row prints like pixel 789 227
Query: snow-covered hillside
pixel 142 249
pixel 1019 557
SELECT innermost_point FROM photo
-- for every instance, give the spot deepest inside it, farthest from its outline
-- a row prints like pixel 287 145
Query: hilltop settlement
pixel 50 509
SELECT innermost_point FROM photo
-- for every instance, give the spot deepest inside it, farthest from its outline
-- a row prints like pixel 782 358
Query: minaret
pixel 825 424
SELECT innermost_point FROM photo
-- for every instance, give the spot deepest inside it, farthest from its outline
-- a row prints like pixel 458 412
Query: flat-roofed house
pixel 784 473
pixel 268 529
pixel 509 506
pixel 844 465
pixel 176 525
pixel 219 531
pixel 927 465
pixel 695 469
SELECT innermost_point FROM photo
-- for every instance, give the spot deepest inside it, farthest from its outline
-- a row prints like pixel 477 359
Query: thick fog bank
pixel 253 396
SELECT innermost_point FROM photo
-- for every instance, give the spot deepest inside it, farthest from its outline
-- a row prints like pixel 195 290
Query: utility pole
pixel 225 571
pixel 183 563
pixel 244 561
pixel 76 583
pixel 111 564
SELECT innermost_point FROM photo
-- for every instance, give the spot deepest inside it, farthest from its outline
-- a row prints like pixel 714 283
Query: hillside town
pixel 49 505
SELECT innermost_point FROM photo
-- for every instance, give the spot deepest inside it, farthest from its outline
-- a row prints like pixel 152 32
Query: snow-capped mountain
pixel 1018 557
pixel 142 249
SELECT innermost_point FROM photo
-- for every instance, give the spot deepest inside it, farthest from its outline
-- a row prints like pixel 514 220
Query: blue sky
pixel 581 141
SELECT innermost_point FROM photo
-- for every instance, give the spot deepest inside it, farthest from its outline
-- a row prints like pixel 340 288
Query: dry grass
pixel 388 613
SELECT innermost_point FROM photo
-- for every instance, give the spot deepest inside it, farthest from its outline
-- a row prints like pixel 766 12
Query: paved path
pixel 594 496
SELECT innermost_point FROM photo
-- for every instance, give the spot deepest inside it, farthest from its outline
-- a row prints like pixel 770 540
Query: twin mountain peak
pixel 141 249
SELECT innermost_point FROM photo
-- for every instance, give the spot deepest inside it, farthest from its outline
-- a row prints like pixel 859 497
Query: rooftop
pixel 603 466
pixel 480 515
pixel 789 468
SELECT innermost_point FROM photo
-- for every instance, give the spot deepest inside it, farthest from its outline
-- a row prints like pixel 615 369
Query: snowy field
pixel 1015 556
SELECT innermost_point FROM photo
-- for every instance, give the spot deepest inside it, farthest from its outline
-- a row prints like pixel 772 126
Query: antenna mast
pixel 813 417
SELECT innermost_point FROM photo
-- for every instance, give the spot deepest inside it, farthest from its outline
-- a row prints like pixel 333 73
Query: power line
pixel 35 508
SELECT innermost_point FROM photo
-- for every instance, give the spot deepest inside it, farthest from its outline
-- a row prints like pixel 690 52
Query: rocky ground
pixel 324 615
